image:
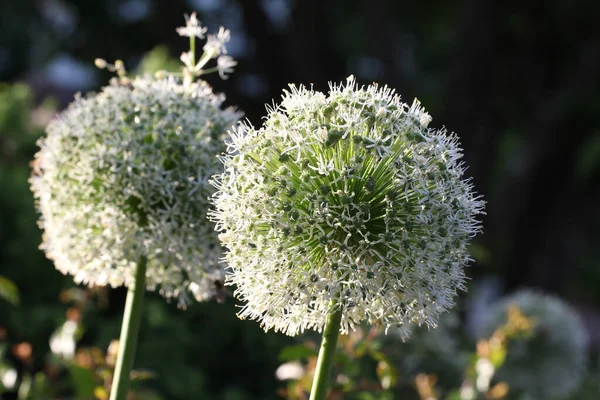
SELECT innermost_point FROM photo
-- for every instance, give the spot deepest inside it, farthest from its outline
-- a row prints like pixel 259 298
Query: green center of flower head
pixel 347 197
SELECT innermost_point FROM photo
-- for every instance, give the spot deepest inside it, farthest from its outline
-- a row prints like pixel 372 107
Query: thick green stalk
pixel 129 333
pixel 326 355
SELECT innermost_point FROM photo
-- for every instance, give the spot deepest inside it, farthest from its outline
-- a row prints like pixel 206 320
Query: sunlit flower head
pixel 124 174
pixel 344 201
pixel 551 360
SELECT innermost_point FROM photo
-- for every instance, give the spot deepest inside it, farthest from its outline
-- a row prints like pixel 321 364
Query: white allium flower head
pixel 344 201
pixel 123 174
pixel 550 362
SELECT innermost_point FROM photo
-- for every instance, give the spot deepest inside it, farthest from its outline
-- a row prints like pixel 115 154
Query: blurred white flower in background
pixel 550 361
pixel 292 370
pixel 63 341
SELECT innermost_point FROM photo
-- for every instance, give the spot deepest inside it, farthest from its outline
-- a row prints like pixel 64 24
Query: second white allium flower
pixel 345 201
pixel 123 174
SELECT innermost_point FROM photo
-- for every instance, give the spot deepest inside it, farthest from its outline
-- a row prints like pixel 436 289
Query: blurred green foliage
pixel 9 291
pixel 362 369
pixel 433 364
pixel 158 59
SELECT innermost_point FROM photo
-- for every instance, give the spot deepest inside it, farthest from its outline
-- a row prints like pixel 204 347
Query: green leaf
pixel 25 388
pixel 9 291
pixel 454 395
pixel 83 382
pixel 158 59
pixel 588 161
pixel 41 389
pixel 297 352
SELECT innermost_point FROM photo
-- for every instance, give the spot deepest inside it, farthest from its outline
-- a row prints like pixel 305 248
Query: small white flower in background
pixel 467 392
pixel 552 360
pixel 215 44
pixel 223 36
pixel 187 60
pixel 292 370
pixel 225 65
pixel 192 27
pixel 8 377
pixel 124 174
pixel 485 372
pixel 345 199
pixel 62 341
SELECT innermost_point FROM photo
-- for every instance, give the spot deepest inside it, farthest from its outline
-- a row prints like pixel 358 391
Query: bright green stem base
pixel 326 356
pixel 129 333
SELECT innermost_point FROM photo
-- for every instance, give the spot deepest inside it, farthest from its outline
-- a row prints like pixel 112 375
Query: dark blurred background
pixel 517 80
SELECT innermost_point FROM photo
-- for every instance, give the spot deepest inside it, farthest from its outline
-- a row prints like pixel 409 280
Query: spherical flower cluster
pixel 123 174
pixel 344 202
pixel 550 361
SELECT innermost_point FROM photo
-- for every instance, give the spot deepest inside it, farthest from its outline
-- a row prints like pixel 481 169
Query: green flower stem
pixel 326 355
pixel 129 332
pixel 193 48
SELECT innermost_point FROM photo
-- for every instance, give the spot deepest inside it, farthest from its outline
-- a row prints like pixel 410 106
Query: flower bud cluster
pixel 213 48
